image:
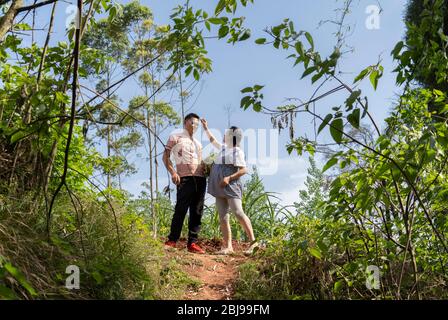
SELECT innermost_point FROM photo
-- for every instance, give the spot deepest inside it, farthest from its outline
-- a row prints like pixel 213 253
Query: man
pixel 190 180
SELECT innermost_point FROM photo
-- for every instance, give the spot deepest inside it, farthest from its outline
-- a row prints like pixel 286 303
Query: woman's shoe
pixel 254 245
pixel 225 251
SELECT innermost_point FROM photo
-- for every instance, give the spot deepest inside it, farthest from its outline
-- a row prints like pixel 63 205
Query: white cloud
pixel 289 179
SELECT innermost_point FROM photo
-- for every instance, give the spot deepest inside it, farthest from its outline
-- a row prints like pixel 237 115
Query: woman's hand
pixel 204 123
pixel 225 181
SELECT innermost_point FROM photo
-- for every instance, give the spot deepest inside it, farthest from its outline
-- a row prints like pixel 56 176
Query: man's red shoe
pixel 195 248
pixel 171 243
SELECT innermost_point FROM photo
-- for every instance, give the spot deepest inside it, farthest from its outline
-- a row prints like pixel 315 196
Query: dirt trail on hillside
pixel 216 273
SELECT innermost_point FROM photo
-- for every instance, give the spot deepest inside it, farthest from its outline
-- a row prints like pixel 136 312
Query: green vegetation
pixel 386 204
pixel 380 200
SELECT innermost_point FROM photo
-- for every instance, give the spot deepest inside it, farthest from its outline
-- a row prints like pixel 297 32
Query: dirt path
pixel 216 273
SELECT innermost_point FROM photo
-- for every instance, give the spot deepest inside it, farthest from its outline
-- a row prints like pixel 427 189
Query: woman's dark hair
pixel 233 128
pixel 191 115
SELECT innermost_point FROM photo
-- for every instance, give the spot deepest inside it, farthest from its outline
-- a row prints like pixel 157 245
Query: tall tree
pixel 433 41
pixel 314 195
pixel 113 38
pixel 154 81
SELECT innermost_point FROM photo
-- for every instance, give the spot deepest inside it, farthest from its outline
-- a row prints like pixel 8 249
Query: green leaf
pixel 220 6
pixel 257 107
pixel 20 278
pixel 276 43
pixel 245 101
pixel 277 29
pixel 397 49
pixel 196 74
pixel 260 41
pixel 316 253
pixel 354 118
pixel 291 26
pixel 362 74
pixel 353 97
pixel 216 21
pixel 298 60
pixel 188 70
pixel 223 31
pixel 325 122
pixel 104 4
pixel 338 285
pixel 245 36
pixel 317 77
pixel 258 87
pixel 438 93
pixel 98 277
pixel 247 89
pixel 309 71
pixel 299 48
pixel 207 25
pixel 329 164
pixel 22 26
pixel 112 13
pixel 310 39
pixel 311 149
pixel 374 76
pixel 336 129
pixel 6 293
pixel 18 136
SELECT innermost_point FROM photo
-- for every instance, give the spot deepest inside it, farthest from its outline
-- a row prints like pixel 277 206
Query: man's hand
pixel 175 178
pixel 204 123
pixel 225 181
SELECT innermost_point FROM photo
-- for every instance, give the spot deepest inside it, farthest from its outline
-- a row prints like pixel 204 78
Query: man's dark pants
pixel 190 195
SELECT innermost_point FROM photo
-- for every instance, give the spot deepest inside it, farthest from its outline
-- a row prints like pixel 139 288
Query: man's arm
pixel 169 166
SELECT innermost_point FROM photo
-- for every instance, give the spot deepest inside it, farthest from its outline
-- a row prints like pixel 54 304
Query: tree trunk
pixel 151 188
pixel 108 132
pixel 7 20
pixel 108 154
pixel 156 164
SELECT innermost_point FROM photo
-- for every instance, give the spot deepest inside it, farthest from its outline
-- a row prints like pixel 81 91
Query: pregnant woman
pixel 225 185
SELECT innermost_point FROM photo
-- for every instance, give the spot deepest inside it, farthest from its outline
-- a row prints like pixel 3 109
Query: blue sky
pixel 245 64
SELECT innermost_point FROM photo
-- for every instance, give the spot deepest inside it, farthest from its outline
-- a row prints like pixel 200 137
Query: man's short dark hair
pixel 191 115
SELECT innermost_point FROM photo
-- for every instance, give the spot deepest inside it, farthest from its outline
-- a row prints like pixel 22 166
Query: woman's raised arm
pixel 211 137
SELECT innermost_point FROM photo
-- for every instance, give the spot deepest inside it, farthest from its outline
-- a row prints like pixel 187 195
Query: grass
pixel 118 258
